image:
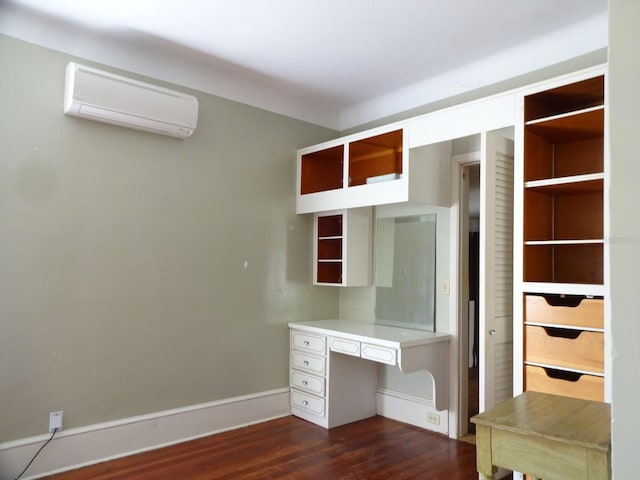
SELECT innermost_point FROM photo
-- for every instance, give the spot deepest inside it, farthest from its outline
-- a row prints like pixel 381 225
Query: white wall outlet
pixel 55 421
pixel 444 287
pixel 433 418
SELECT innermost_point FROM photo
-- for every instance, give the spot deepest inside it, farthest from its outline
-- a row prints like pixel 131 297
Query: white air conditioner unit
pixel 105 97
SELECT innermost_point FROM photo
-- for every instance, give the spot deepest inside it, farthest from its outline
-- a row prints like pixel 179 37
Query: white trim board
pixel 92 444
pixel 411 410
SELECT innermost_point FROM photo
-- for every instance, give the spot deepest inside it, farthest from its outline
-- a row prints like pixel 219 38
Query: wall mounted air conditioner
pixel 104 97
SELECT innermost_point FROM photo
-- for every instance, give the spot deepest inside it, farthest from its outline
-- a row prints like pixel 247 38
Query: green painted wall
pixel 122 282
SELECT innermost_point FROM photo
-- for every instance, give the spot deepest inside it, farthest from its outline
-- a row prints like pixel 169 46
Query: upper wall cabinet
pixel 372 168
pixel 403 162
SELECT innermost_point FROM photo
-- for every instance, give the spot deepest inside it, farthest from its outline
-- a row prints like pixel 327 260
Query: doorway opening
pixel 472 197
pixel 483 186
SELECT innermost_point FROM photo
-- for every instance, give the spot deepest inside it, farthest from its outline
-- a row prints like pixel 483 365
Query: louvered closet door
pixel 496 270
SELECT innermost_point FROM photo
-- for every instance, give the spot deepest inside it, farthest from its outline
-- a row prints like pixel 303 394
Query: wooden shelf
pixel 565 369
pixel 598 241
pixel 592 182
pixel 566 327
pixel 559 288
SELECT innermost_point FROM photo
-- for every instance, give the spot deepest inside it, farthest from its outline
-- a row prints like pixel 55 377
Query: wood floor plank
pixel 291 448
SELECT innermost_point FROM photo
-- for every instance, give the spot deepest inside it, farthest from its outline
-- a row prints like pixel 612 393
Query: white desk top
pixel 393 337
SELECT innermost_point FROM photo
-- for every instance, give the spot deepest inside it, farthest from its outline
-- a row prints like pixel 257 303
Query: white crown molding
pixel 177 65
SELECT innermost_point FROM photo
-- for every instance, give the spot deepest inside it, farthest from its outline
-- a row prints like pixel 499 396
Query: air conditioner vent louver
pixel 104 97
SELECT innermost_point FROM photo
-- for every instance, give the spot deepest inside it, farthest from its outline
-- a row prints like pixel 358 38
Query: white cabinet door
pixel 496 270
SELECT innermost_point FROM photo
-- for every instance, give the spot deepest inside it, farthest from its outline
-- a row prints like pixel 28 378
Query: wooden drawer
pixel 564 383
pixel 562 347
pixel 308 363
pixel 379 354
pixel 310 343
pixel 348 347
pixel 307 382
pixel 307 402
pixel 587 312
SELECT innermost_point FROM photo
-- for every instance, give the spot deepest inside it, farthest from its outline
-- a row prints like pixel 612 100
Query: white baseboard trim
pixel 83 446
pixel 415 411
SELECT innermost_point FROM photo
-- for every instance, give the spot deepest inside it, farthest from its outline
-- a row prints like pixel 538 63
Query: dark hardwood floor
pixel 291 448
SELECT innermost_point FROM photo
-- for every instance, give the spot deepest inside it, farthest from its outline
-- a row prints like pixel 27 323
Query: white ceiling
pixel 337 63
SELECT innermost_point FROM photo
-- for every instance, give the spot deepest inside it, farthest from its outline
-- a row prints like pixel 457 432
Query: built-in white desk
pixel 334 367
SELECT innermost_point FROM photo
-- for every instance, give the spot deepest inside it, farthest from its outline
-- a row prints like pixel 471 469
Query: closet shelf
pixel 565 327
pixel 562 116
pixel 565 369
pixel 595 241
pixel 591 182
pixel 557 288
pixel 570 127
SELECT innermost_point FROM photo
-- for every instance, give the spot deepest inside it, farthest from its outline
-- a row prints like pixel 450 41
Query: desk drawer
pixel 307 402
pixel 560 382
pixel 310 343
pixel 308 363
pixel 379 354
pixel 577 349
pixel 348 347
pixel 307 382
pixel 587 312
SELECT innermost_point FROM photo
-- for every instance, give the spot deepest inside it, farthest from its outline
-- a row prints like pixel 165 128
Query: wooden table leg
pixel 484 462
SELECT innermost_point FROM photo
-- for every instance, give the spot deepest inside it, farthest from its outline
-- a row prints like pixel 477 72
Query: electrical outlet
pixel 433 418
pixel 55 421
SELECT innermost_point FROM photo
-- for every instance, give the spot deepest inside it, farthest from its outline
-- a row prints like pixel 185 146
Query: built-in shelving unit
pixel 563 240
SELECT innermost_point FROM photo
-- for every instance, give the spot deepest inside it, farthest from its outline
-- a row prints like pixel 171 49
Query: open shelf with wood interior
pixel 342 247
pixel 329 248
pixel 563 182
pixel 322 170
pixel 359 170
pixel 375 158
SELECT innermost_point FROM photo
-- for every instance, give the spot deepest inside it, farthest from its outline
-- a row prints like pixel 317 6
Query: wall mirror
pixel 405 271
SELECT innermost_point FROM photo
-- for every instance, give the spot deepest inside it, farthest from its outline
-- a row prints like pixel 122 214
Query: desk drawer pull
pixel 305 403
pixel 305 383
pixel 306 342
pixel 306 362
